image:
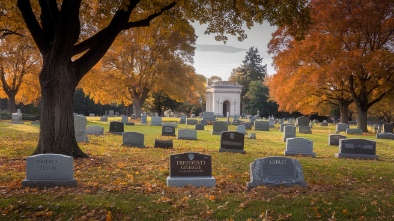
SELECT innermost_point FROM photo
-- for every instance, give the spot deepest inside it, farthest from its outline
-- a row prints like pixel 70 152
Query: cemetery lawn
pixel 123 183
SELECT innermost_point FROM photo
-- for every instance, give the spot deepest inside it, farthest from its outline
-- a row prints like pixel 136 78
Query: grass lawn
pixel 123 183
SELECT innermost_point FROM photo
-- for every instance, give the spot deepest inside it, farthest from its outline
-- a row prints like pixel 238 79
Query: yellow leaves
pixel 109 216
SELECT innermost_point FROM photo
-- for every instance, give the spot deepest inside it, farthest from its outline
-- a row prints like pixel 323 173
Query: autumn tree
pixel 307 78
pixel 361 64
pixel 19 67
pixel 143 60
pixel 250 70
pixel 73 36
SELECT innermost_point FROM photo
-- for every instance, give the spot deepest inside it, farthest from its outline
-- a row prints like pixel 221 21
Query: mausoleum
pixel 223 97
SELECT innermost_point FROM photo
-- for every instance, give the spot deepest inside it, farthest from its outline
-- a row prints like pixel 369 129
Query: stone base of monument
pixel 48 183
pixel 192 181
pixel 357 156
pixel 288 153
pixel 231 150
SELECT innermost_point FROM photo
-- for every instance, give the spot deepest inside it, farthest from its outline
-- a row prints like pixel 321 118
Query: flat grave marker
pixel 357 149
pixel 333 139
pixel 133 139
pixel 168 131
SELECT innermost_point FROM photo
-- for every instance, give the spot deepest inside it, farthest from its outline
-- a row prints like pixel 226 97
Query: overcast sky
pixel 219 59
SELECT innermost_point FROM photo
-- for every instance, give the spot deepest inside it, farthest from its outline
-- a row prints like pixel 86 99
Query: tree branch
pixel 33 25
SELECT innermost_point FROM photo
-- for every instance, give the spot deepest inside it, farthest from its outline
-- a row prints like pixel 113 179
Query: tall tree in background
pixel 19 67
pixel 348 53
pixel 143 60
pixel 250 70
pixel 258 100
pixel 73 35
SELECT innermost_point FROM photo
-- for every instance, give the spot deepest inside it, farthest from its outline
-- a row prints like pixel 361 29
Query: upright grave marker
pixel 186 134
pixel 80 128
pixel 289 132
pixel 276 171
pixel 302 121
pixel 357 149
pixel 219 127
pixel 190 169
pixel 156 121
pixel 261 125
pixel 168 131
pixel 49 170
pixel 116 127
pixel 299 146
pixel 232 142
pixel 95 130
pixel 333 139
pixel 342 127
pixel 133 139
pixel 144 118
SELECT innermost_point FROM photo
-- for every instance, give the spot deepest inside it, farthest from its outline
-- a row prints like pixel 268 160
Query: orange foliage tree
pixel 349 47
pixel 19 67
pixel 154 58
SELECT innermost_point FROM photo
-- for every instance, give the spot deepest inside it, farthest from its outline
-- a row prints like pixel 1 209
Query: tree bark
pixel 344 112
pixel 57 133
pixel 137 108
pixel 11 102
pixel 362 119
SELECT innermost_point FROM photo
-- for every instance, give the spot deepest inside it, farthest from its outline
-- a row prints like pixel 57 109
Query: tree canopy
pixel 346 56
pixel 73 35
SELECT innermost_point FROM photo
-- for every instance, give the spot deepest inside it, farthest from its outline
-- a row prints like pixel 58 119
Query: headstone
pixel 111 113
pixel 333 139
pixel 92 115
pixel 282 126
pixel 191 121
pixel 182 120
pixel 299 146
pixel 116 127
pixel 130 124
pixel 144 119
pixel 192 116
pixel 16 118
pixel 387 128
pixel 156 121
pixel 354 131
pixel 241 129
pixel 219 127
pixel 95 130
pixel 248 126
pixel 302 121
pixel 49 170
pixel 172 124
pixel 193 169
pixel 252 136
pixel 236 120
pixel 252 120
pixel 133 116
pixel 133 139
pixel 80 129
pixel 324 124
pixel 204 122
pixel 342 127
pixel 209 116
pixel 271 122
pixel 164 144
pixel 186 134
pixel 124 119
pixel 289 132
pixel 168 131
pixel 357 148
pixel 276 171
pixel 104 118
pixel 231 141
pixel 117 114
pixel 304 130
pixel 199 127
pixel 261 125
pixel 385 135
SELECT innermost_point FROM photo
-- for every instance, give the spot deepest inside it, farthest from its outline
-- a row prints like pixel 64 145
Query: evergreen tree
pixel 250 70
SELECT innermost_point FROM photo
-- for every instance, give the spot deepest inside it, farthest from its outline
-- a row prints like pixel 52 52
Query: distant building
pixel 223 97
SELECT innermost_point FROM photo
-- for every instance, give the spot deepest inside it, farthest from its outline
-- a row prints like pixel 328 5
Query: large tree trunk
pixel 362 119
pixel 57 133
pixel 137 107
pixel 11 102
pixel 344 112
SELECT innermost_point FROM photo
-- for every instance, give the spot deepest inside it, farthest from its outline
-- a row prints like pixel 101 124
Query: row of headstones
pixel 49 170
